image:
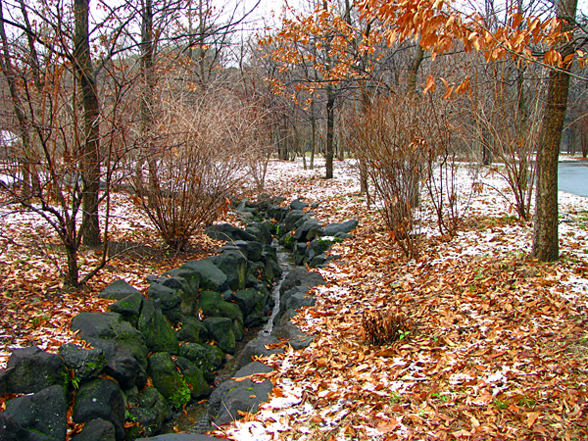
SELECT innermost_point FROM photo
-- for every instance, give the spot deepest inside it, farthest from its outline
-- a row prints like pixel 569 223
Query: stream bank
pixel 152 356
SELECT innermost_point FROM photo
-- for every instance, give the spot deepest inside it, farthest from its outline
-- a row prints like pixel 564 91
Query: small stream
pixel 195 419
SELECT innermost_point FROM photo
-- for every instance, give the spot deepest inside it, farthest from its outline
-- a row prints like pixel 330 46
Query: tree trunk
pixel 413 69
pixel 90 161
pixel 26 155
pixel 545 238
pixel 330 132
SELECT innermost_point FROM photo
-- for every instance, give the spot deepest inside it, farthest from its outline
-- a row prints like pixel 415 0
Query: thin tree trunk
pixel 10 75
pixel 330 132
pixel 413 69
pixel 545 238
pixel 90 160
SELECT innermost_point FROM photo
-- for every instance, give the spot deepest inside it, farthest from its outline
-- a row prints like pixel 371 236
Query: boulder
pixel 238 330
pixel 307 231
pixel 257 348
pixel 124 346
pixel 297 204
pixel 150 409
pixel 343 227
pixel 261 232
pixel 85 363
pixel 284 329
pixel 10 430
pixel 181 280
pixel 248 300
pixel 118 290
pixel 206 357
pixel 101 398
pixel 292 217
pixel 111 326
pixel 301 277
pixel 30 370
pixel 194 378
pixel 212 304
pixel 129 307
pixel 277 212
pixel 96 430
pixel 157 331
pixel 319 245
pixel 121 365
pixel 192 330
pixel 211 278
pixel 167 380
pixel 234 266
pixel 239 394
pixel 168 299
pixel 221 330
pixel 228 232
pixel 44 412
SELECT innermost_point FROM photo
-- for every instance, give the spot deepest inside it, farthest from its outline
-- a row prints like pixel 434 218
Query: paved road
pixel 573 177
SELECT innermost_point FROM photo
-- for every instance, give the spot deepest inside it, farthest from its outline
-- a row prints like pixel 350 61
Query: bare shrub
pixel 195 160
pixel 507 126
pixel 385 327
pixel 390 143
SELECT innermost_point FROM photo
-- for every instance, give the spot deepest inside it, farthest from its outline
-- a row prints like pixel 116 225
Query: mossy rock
pixel 194 378
pixel 158 333
pixel 129 307
pixel 167 380
pixel 212 304
pixel 149 409
pixel 221 330
pixel 192 331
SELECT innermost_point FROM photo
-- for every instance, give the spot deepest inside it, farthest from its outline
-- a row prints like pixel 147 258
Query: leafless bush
pixel 390 144
pixel 507 126
pixel 448 156
pixel 195 159
pixel 385 327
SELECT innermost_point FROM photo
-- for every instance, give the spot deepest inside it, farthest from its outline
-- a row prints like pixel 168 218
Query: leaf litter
pixel 499 349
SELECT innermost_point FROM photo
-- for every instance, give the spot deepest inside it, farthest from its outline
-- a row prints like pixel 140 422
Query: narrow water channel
pixel 196 419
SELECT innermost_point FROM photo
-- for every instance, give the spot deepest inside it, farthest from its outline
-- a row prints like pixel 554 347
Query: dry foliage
pixel 383 327
pixel 194 164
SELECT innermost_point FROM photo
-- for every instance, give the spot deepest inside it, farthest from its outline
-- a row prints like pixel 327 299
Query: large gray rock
pixel 343 227
pixel 44 412
pixel 96 430
pixel 30 370
pixel 277 212
pixel 257 348
pixel 228 232
pixel 211 278
pixel 261 231
pixel 192 331
pixel 292 217
pixel 194 378
pixel 157 331
pixel 240 394
pixel 319 245
pixel 3 378
pixel 212 304
pixel 297 204
pixel 118 290
pixel 86 363
pixel 101 398
pixel 168 299
pixel 129 307
pixel 221 330
pixel 235 266
pixel 284 329
pixel 307 231
pixel 206 357
pixel 124 346
pixel 150 409
pixel 167 380
pixel 10 430
pixel 301 277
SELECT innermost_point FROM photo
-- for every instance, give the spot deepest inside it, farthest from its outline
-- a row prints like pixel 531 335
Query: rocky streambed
pixel 153 356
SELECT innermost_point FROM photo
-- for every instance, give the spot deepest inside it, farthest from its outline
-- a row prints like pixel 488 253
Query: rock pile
pixel 152 354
